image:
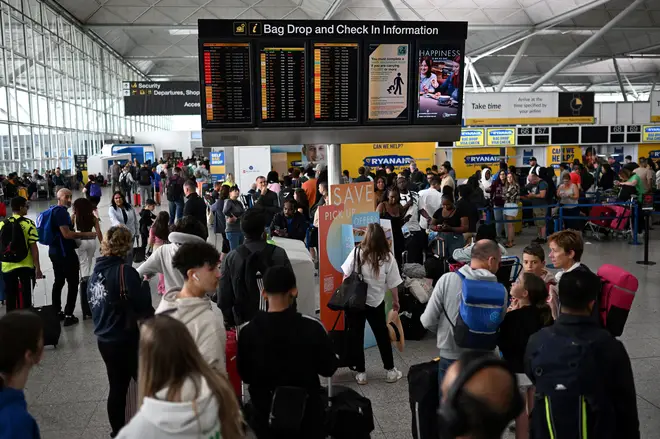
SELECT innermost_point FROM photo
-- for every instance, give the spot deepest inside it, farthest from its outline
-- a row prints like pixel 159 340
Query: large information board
pixel 277 81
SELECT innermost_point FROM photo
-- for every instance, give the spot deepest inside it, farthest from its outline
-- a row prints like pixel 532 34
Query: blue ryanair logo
pixel 394 160
pixel 481 158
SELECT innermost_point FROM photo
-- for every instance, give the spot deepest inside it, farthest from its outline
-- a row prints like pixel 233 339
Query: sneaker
pixel 60 315
pixel 393 375
pixel 70 320
pixel 361 378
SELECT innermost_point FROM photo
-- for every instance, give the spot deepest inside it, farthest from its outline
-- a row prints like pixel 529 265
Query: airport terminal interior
pixel 348 91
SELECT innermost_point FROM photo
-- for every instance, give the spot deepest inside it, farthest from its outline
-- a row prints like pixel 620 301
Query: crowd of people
pixel 213 245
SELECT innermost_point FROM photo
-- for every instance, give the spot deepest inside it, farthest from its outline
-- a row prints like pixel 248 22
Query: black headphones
pixel 452 418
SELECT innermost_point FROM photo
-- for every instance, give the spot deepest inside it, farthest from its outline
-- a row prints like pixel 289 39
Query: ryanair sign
pixel 501 137
pixel 471 137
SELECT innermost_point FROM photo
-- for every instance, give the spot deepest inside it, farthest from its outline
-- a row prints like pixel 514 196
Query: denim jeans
pixel 176 207
pixel 442 370
pixel 235 239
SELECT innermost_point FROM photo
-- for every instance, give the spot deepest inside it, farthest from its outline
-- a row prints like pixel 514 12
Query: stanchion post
pixel 558 220
pixel 489 218
pixel 647 232
pixel 635 217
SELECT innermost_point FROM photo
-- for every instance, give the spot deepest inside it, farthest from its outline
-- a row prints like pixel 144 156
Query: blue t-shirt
pixel 61 247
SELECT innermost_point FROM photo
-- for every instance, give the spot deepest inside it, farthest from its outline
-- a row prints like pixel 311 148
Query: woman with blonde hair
pixel 179 394
pixel 117 300
pixel 377 265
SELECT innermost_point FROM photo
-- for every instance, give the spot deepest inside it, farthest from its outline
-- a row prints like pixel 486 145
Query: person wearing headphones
pixel 480 397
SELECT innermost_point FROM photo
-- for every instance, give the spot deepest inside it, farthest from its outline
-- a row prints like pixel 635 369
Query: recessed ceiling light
pixel 183 31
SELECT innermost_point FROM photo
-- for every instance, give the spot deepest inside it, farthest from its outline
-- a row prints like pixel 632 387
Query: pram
pixel 615 222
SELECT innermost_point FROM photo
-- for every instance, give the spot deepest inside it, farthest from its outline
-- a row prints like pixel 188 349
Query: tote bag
pixel 352 293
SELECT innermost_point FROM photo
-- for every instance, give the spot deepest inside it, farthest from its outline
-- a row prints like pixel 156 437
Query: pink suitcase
pixel 616 297
pixel 623 215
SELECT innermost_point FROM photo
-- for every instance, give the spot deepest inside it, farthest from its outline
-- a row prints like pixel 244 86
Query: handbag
pixel 138 252
pixel 352 293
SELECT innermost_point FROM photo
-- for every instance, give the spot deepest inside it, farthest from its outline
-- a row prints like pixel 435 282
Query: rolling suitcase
pixel 50 319
pixel 231 353
pixel 136 200
pixel 349 415
pixel 616 297
pixel 424 397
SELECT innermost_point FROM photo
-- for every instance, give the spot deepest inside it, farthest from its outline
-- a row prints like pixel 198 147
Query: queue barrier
pixel 558 220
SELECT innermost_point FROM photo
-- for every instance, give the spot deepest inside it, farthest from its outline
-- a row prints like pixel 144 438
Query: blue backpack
pixel 47 233
pixel 482 309
pixel 94 190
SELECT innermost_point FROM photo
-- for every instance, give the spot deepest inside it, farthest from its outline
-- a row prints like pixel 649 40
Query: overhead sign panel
pixel 655 106
pixel 294 81
pixel 501 136
pixel 471 137
pixel 528 108
pixel 161 98
pixel 651 133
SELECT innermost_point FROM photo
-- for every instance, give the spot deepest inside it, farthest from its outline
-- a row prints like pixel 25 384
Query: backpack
pixel 14 245
pixel 174 189
pixel 616 297
pixel 248 295
pixel 94 190
pixel 47 232
pixel 570 391
pixel 123 181
pixel 145 177
pixel 482 309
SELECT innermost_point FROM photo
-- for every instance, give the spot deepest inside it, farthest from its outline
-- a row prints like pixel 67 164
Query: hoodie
pixel 206 328
pixel 160 260
pixel 195 417
pixel 115 320
pixel 447 295
pixel 15 421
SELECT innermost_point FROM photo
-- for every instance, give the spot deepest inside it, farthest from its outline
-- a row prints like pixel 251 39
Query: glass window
pixel 32 8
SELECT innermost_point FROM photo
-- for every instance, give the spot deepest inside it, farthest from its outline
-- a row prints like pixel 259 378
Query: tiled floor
pixel 67 392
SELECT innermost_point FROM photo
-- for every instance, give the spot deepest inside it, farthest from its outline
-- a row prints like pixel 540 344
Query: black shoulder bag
pixel 352 293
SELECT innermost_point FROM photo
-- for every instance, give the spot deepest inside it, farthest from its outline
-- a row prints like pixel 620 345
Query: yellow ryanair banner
pixel 501 136
pixel 466 161
pixel 399 155
pixel 651 133
pixel 471 137
pixel 570 153
pixel 650 150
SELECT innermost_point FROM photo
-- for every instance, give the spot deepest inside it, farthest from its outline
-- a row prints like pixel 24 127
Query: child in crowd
pixel 158 234
pixel 147 218
pixel 528 313
pixel 21 338
pixel 534 262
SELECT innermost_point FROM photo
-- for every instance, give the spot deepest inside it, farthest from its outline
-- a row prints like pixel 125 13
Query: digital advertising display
pixel 439 90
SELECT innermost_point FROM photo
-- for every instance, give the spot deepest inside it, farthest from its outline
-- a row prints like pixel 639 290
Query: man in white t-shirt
pixel 416 240
pixel 430 200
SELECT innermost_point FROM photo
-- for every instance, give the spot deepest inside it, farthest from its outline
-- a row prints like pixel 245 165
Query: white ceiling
pixel 155 35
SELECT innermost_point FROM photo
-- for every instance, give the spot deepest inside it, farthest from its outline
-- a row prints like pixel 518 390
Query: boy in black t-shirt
pixel 147 218
pixel 282 347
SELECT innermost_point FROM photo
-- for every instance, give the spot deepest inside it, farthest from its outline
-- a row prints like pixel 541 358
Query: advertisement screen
pixel 440 84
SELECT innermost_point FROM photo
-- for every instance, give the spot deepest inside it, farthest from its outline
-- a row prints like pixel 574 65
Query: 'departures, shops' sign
pixel 173 98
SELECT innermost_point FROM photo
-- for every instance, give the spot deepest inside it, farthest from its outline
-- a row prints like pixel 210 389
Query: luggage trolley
pixel 616 223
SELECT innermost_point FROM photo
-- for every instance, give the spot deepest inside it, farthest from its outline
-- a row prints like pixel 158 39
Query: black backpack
pixel 570 394
pixel 174 189
pixel 250 280
pixel 145 177
pixel 14 245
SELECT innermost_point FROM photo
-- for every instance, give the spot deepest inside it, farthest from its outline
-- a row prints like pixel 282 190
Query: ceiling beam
pixel 618 78
pixel 582 47
pixel 332 10
pixel 513 64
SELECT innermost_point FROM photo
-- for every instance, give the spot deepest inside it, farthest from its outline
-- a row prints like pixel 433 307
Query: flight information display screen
pixel 226 79
pixel 282 75
pixel 335 82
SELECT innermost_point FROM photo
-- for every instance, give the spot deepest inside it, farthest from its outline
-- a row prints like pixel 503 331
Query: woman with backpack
pixel 84 220
pixel 375 261
pixel 122 214
pixel 22 341
pixel 93 191
pixel 126 183
pixel 180 395
pixel 118 298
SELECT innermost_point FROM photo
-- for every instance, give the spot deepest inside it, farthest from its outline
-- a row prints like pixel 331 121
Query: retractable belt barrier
pixel 558 220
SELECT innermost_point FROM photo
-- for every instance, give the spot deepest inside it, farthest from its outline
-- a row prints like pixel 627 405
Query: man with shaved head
pixel 62 253
pixel 480 397
pixel 443 307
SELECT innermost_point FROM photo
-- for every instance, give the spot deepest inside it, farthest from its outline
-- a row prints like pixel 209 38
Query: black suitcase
pixel 49 318
pixel 424 396
pixel 410 313
pixel 349 415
